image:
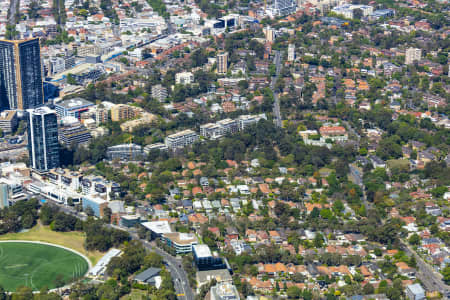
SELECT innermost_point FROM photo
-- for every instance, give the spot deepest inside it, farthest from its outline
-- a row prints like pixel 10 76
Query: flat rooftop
pixel 74 103
pixel 202 251
pixel 158 227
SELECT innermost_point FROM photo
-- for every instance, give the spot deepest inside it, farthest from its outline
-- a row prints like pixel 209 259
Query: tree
pixel 446 274
pixel 357 13
pixel 23 293
pixel 2 293
pixel 294 292
pixel 153 260
pixel 107 214
pixel 414 239
pixel 368 289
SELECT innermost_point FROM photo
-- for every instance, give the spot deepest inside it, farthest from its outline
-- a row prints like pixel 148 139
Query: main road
pixel 174 265
pixel 13 10
pixel 431 279
pixel 276 103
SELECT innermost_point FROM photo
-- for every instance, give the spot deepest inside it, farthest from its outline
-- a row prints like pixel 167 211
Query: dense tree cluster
pixel 21 215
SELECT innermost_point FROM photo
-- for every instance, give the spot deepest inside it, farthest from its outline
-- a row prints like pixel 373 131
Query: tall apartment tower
pixel 43 144
pixel 412 54
pixel 291 52
pixel 269 34
pixel 222 63
pixel 21 84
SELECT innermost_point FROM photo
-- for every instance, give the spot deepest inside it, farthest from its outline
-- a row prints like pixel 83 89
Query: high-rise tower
pixel 20 74
pixel 43 144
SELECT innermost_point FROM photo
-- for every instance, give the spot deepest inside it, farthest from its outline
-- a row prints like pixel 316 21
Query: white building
pixel 184 78
pixel 181 242
pixel 247 120
pixel 347 10
pixel 415 292
pixel 219 129
pixel 181 139
pixel 224 291
pixel 291 52
pixel 412 55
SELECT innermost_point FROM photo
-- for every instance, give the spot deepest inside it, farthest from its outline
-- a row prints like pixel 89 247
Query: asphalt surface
pixel 174 265
pixel 276 103
pixel 13 11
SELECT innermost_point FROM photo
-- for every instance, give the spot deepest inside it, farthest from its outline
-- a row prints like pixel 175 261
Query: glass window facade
pixel 43 139
pixel 21 84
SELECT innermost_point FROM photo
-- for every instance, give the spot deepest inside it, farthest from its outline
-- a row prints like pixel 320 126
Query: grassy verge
pixel 73 240
pixel 135 295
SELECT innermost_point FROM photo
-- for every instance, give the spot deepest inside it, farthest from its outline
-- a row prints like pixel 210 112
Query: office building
pixel 55 65
pixel 412 55
pixel 43 144
pixel 222 63
pixel 205 259
pixel 21 84
pixel 224 291
pixel 181 139
pixel 72 107
pixel 159 92
pixel 285 7
pixel 125 151
pixel 415 292
pixel 157 228
pixel 74 135
pixel 291 52
pixel 181 242
pixel 184 78
pixel 8 121
pixel 4 195
pixel 96 205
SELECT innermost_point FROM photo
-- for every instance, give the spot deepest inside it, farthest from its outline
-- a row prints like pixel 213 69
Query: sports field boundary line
pixel 54 245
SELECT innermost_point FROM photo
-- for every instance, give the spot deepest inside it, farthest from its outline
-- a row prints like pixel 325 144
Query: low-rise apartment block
pixel 181 139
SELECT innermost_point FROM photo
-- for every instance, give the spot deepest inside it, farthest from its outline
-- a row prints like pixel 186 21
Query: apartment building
pixel 245 121
pixel 219 129
pixel 222 63
pixel 122 112
pixel 181 139
pixel 412 55
pixel 183 78
pixel 159 92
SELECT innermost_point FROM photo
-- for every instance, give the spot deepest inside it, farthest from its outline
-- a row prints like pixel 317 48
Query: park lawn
pixel 73 240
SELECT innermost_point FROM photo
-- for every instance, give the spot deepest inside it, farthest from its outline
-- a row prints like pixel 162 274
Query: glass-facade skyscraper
pixel 21 84
pixel 43 144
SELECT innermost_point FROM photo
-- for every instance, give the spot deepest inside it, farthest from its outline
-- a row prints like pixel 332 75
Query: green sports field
pixel 38 265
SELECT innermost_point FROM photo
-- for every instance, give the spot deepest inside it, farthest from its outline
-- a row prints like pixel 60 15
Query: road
pixel 276 103
pixel 431 279
pixel 180 278
pixel 13 6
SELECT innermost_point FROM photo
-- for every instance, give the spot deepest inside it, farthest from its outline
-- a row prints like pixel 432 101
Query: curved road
pixel 179 275
pixel 276 103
